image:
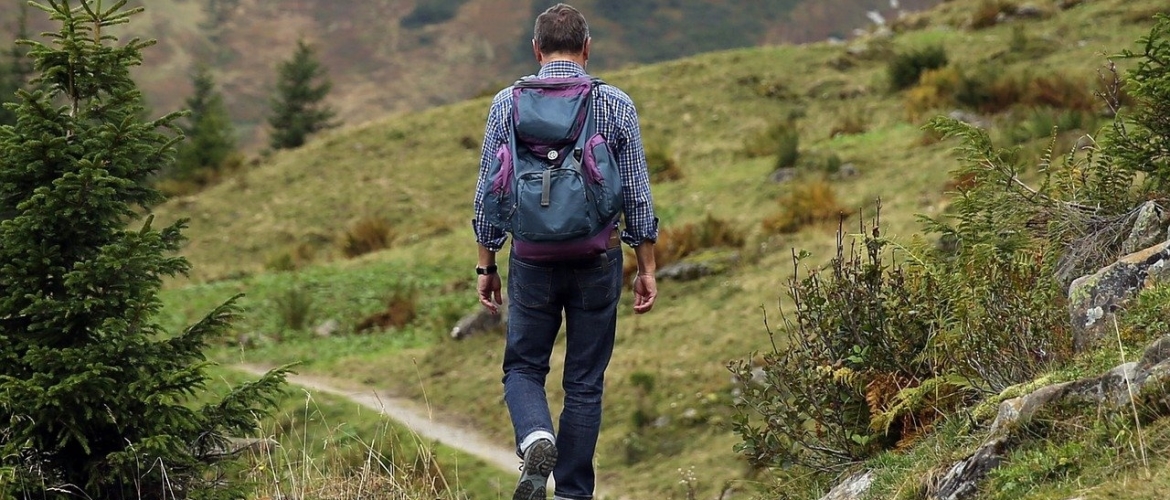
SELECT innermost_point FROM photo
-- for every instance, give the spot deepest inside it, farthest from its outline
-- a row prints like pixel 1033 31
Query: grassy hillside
pixel 388 56
pixel 708 114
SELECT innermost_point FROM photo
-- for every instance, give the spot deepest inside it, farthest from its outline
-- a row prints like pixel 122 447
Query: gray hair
pixel 561 29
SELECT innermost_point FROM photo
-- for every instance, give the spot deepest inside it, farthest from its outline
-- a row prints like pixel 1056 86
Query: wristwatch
pixel 486 270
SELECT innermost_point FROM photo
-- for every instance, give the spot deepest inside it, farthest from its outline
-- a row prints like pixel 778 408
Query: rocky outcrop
pixel 1113 390
pixel 1094 299
pixel 1149 228
pixel 962 480
pixel 1093 302
pixel 1145 382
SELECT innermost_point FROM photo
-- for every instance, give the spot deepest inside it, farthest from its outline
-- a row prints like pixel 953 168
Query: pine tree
pixel 209 131
pixel 96 401
pixel 298 108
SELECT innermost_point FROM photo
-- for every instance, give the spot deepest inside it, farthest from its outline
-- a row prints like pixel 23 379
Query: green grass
pixel 414 171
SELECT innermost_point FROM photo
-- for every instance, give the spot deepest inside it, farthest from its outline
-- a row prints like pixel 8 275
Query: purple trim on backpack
pixel 564 250
pixel 502 183
pixel 592 173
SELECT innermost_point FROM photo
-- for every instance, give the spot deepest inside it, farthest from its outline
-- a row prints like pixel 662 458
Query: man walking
pixel 583 290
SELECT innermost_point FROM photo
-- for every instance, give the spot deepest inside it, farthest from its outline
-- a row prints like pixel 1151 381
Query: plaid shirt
pixel 617 121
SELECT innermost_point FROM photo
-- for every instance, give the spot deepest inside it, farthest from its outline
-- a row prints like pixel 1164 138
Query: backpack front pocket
pixel 552 206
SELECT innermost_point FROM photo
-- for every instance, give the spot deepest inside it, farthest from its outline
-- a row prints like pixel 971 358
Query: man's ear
pixel 588 46
pixel 536 52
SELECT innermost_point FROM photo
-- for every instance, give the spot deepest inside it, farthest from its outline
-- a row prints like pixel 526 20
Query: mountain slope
pixel 418 170
pixel 391 56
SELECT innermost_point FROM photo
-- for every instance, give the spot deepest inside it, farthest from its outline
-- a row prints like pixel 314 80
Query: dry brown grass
pixel 342 464
pixel 368 234
pixel 297 257
pixel 935 90
pixel 401 309
pixel 851 122
pixel 808 203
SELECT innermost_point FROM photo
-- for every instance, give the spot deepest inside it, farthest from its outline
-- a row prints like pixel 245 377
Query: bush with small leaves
pixel 905 68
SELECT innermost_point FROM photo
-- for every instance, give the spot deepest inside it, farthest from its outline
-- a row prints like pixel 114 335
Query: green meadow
pixel 282 231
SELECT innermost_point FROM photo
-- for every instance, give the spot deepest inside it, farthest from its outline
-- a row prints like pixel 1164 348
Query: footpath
pixel 417 418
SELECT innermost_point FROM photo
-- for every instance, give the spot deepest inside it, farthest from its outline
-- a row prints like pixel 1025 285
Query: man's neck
pixel 576 59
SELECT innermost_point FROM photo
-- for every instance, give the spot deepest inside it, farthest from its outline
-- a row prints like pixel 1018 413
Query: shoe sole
pixel 538 466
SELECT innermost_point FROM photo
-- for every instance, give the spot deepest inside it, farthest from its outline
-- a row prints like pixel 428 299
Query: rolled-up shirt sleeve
pixel 489 236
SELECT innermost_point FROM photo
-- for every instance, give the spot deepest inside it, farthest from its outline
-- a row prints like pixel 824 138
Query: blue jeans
pixel 587 293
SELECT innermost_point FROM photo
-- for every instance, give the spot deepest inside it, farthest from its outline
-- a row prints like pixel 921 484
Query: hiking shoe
pixel 539 460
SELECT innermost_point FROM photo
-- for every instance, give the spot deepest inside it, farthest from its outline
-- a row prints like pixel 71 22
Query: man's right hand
pixel 489 286
pixel 645 291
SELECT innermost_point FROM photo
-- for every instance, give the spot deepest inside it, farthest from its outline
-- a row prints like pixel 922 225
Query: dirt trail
pixel 419 419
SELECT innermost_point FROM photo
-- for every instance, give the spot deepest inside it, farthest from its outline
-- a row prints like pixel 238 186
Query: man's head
pixel 561 33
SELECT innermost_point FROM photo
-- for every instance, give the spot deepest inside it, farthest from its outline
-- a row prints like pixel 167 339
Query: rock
pixel 1094 298
pixel 846 171
pixel 480 321
pixel 782 175
pixel 705 263
pixel 1148 230
pixel 1030 11
pixel 854 487
pixel 328 328
pixel 683 271
pixel 962 480
pixel 1068 4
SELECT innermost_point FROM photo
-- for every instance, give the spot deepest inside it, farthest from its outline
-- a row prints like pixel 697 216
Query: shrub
pixel 368 234
pixel 905 68
pixel 879 350
pixel 853 340
pixel 807 203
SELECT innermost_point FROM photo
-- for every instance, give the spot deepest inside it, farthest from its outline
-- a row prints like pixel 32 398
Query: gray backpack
pixel 554 185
